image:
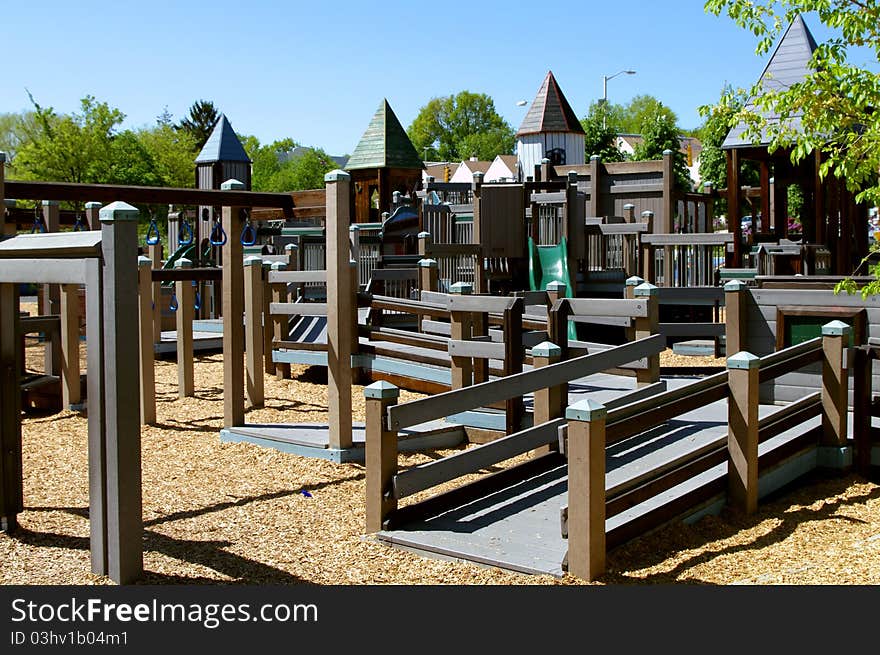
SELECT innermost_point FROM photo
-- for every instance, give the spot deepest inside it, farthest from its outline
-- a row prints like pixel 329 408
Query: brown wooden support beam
pixel 381 454
pixel 742 431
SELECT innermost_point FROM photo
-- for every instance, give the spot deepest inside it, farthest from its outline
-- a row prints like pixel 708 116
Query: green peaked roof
pixel 384 144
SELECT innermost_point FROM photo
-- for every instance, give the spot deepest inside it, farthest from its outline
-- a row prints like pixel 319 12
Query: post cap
pixel 290 246
pixel 634 281
pixel 10 202
pixel 50 203
pixel 667 152
pixel 427 263
pixel 556 287
pixel 572 177
pixel 279 266
pixel 545 160
pixel 354 228
pixel 546 349
pixel 93 204
pixel 462 288
pixel 646 289
pixel 253 259
pixel 337 175
pixel 478 176
pixel 144 261
pixel 2 157
pixel 836 329
pixel 232 185
pixel 595 157
pixel 183 262
pixel 381 390
pixel 423 235
pixel 586 410
pixel 647 214
pixel 629 205
pixel 743 361
pixel 735 286
pixel 118 211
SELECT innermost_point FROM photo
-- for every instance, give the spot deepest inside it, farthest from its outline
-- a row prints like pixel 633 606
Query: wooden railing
pixel 591 427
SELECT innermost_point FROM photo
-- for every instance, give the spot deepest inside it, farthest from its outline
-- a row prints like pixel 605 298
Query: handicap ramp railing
pixel 386 485
pixel 592 427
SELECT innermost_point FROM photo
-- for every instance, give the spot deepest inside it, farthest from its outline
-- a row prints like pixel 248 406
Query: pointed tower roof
pixel 789 64
pixel 222 145
pixel 385 144
pixel 550 111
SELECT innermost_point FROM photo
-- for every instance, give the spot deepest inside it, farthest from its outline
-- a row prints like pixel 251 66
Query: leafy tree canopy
pixel 837 102
pixel 632 117
pixel 272 171
pixel 200 121
pixel 601 135
pixel 457 127
pixel 659 133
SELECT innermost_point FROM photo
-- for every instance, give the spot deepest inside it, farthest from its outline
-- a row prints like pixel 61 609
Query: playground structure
pixel 477 294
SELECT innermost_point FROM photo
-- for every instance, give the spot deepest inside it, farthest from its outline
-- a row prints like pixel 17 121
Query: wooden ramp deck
pixel 518 525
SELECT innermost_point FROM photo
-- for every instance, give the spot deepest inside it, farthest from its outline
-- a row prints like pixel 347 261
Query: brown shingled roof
pixel 550 111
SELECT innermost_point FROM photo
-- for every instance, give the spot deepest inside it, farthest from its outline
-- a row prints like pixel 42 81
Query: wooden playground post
pixel 648 326
pixel 836 337
pixel 184 324
pixel 477 192
pixel 340 296
pixel 735 315
pixel 70 382
pixel 267 326
pixel 593 206
pixel 253 329
pixel 145 338
pixel 279 323
pixel 122 436
pixel 154 252
pixel 586 489
pixel 462 367
pixel 11 481
pixel 513 361
pixel 629 213
pixel 233 308
pixel 629 294
pixel 668 226
pixel 545 169
pixel 52 294
pixel 549 402
pixel 862 408
pixel 742 431
pixel 381 453
pixel 92 209
pixel 557 325
pixel 428 277
pixel 354 238
pixel 646 254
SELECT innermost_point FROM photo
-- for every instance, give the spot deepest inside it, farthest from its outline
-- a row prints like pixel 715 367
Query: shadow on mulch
pixel 654 548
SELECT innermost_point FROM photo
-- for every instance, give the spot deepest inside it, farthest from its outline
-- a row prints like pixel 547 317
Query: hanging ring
pixel 152 232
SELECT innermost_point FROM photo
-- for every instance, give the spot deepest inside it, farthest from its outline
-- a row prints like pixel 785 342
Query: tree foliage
pixel 659 133
pixel 636 114
pixel 200 121
pixel 837 101
pixel 68 148
pixel 600 136
pixel 457 127
pixel 274 169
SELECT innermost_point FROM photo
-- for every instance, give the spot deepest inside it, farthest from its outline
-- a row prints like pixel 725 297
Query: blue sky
pixel 316 71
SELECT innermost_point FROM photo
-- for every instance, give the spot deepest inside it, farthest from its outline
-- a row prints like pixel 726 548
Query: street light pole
pixel 605 79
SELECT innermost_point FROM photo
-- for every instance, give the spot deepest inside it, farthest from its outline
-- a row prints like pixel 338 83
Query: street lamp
pixel 605 79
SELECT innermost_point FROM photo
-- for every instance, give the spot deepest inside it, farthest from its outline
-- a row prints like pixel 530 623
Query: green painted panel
pixel 803 328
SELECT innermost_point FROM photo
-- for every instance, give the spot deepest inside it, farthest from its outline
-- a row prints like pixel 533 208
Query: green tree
pixel 633 116
pixel 457 127
pixel 659 133
pixel 74 148
pixel 837 101
pixel 172 152
pixel 600 132
pixel 200 121
pixel 272 171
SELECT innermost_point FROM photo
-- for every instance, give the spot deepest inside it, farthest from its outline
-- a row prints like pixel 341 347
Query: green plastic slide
pixel 550 264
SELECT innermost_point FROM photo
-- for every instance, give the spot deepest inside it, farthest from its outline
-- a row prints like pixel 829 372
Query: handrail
pixel 519 384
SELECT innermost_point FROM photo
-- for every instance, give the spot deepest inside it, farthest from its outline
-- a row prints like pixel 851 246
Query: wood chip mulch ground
pixel 219 513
